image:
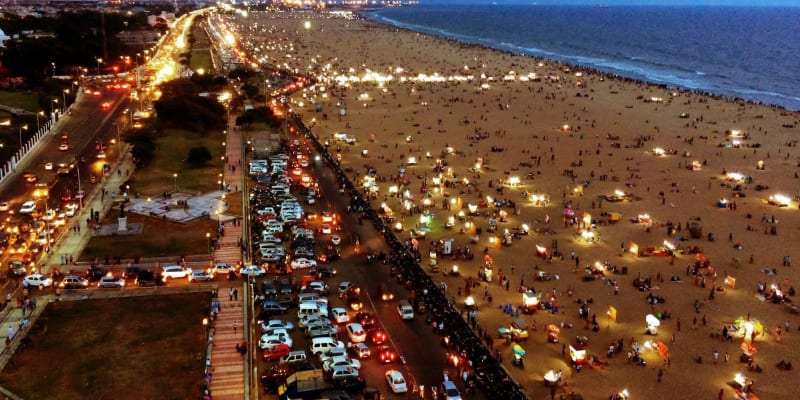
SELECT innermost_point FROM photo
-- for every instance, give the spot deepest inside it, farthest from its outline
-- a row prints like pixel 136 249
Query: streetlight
pixel 40 113
pixel 99 61
pixel 21 127
pixel 54 69
pixel 52 107
pixel 64 97
pixel 208 237
pixel 175 178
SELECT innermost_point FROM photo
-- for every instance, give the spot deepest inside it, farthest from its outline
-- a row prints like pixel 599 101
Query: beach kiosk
pixel 530 302
pixel 577 355
pixel 519 352
pixel 652 324
pixel 553 333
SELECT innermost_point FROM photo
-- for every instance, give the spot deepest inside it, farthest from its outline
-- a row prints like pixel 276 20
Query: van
pixel 311 308
pixel 405 310
pixel 324 344
pixel 294 357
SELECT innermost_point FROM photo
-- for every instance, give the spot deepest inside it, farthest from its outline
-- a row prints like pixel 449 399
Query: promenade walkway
pixel 229 249
pixel 227 364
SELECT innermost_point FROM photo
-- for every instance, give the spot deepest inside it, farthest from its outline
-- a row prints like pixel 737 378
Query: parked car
pixel 342 372
pixel 360 351
pixel 252 270
pixel 276 324
pixel 356 332
pixel 174 272
pixel 111 282
pixel 73 282
pixel 37 280
pixel 200 276
pixel 276 353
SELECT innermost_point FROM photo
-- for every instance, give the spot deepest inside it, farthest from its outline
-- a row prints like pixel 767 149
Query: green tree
pixel 198 156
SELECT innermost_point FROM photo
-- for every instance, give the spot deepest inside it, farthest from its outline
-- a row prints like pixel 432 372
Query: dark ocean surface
pixel 745 52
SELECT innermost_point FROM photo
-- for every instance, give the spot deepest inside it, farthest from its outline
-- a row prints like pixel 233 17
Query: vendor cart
pixel 553 333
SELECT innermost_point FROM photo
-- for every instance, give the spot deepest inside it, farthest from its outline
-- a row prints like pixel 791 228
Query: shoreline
pixel 581 67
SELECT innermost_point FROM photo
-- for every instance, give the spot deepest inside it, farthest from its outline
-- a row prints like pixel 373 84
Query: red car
pixel 276 352
pixel 386 355
pixel 377 336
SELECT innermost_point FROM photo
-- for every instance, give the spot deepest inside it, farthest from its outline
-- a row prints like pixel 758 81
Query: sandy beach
pixel 504 128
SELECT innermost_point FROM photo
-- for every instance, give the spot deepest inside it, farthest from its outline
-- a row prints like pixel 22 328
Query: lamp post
pixel 99 61
pixel 175 178
pixel 64 98
pixel 40 113
pixel 208 238
pixel 52 107
pixel 21 127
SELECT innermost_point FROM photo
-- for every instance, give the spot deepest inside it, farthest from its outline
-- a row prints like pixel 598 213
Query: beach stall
pixel 779 200
pixel 519 352
pixel 553 333
pixel 652 324
pixel 552 378
pixel 577 354
pixel 530 301
pixel 633 248
pixel 722 203
pixel 696 166
pixel 614 217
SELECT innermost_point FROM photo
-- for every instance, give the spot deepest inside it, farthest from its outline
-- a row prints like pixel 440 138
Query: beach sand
pixel 516 128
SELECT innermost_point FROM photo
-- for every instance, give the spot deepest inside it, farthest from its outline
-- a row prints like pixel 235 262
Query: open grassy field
pixel 134 348
pixel 201 55
pixel 159 239
pixel 173 148
pixel 25 100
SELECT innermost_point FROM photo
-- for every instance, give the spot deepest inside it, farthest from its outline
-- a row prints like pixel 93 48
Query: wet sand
pixel 571 135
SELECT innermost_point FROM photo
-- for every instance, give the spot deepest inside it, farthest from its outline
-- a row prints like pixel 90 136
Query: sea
pixel 751 53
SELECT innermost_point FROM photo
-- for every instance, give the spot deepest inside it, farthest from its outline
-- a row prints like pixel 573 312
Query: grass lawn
pixel 135 348
pixel 28 101
pixel 201 56
pixel 159 239
pixel 173 148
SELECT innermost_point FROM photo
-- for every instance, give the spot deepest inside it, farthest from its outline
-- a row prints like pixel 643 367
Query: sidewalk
pixel 72 243
pixel 229 250
pixel 227 367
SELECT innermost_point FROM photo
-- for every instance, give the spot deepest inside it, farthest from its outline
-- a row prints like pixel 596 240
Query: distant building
pixel 140 38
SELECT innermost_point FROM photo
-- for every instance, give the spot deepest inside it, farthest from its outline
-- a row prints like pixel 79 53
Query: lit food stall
pixel 553 333
pixel 577 355
pixel 552 378
pixel 696 165
pixel 722 203
pixel 779 200
pixel 530 301
pixel 652 324
pixel 519 352
pixel 658 152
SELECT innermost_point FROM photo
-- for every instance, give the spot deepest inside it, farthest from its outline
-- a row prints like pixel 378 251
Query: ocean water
pixel 744 52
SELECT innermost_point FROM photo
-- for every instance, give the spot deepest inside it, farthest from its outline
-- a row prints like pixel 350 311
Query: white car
pixel 326 229
pixel 343 372
pixel 340 315
pixel 70 209
pixel 356 333
pixel 28 207
pixel 37 280
pixel 252 270
pixel 48 166
pixel 305 321
pixel 270 341
pixel 396 381
pixel 174 272
pixel 4 206
pixel 336 240
pixel 222 269
pixel 302 263
pixel 340 361
pixel 276 324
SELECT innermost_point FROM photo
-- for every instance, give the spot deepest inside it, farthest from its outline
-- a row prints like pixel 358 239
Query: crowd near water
pixel 737 52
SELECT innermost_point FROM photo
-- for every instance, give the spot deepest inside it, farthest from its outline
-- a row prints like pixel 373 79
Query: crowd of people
pixel 487 372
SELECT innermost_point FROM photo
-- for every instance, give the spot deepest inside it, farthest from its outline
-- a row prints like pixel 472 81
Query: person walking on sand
pixel 235 324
